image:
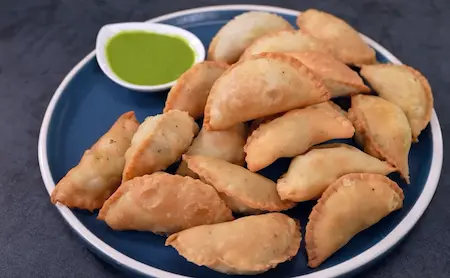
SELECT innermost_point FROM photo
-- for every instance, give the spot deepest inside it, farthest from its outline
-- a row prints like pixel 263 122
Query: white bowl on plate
pixel 110 30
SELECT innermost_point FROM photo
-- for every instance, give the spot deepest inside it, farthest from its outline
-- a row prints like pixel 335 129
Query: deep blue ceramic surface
pixel 91 102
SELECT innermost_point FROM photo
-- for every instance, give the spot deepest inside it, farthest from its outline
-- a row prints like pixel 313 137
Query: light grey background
pixel 41 40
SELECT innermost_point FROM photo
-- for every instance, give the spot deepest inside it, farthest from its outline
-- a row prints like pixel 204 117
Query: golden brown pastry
pixel 225 144
pixel 192 88
pixel 383 129
pixel 159 142
pixel 346 43
pixel 263 120
pixel 338 78
pixel 294 133
pixel 233 38
pixel 248 245
pixel 350 205
pixel 163 204
pixel 310 174
pixel 405 87
pixel 243 191
pixel 97 176
pixel 267 84
pixel 285 41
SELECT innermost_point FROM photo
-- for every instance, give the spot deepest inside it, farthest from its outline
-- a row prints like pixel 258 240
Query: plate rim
pixel 109 253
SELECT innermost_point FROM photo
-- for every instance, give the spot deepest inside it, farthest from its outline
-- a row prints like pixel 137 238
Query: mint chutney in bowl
pixel 146 57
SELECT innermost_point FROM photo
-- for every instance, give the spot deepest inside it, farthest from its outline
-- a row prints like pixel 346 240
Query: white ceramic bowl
pixel 110 30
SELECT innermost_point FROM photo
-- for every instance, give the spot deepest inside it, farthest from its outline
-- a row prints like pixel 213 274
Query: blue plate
pixel 87 103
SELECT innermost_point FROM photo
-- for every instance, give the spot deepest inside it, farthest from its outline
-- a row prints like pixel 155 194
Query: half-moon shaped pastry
pixel 350 205
pixel 97 176
pixel 310 174
pixel 225 144
pixel 338 78
pixel 264 120
pixel 267 84
pixel 294 133
pixel 383 129
pixel 285 41
pixel 163 204
pixel 159 141
pixel 248 245
pixel 192 88
pixel 243 191
pixel 405 87
pixel 239 33
pixel 346 43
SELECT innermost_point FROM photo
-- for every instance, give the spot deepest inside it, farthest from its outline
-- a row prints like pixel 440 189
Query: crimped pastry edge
pixel 313 258
pixel 324 94
pixel 360 123
pixel 209 179
pixel 257 133
pixel 425 85
pixel 214 263
pixel 81 203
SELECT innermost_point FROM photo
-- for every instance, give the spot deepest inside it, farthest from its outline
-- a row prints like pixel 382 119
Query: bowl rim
pixel 113 256
pixel 191 39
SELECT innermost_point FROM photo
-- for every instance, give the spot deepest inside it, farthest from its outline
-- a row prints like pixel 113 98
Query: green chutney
pixel 145 58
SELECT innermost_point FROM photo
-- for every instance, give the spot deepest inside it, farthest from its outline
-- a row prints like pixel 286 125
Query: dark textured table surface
pixel 41 40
